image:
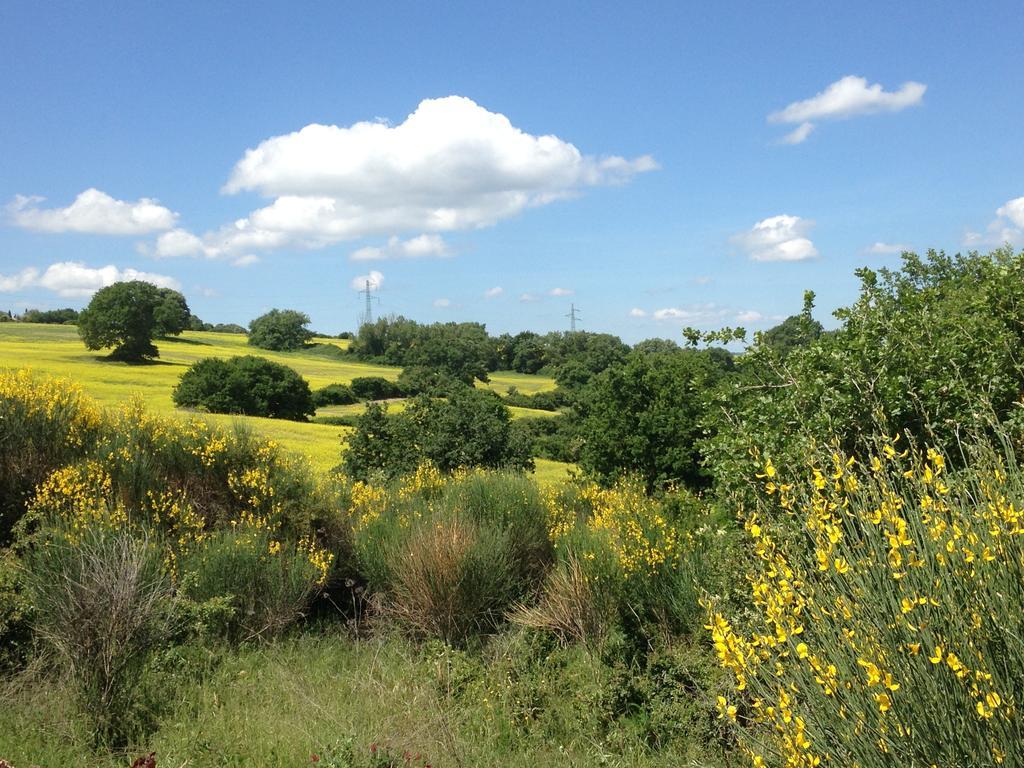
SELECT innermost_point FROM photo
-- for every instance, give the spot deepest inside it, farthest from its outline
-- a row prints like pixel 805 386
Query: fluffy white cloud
pixel 886 249
pixel 74 279
pixel 694 313
pixel 450 165
pixel 1007 227
pixel 423 246
pixel 527 298
pixel 637 312
pixel 246 261
pixel 847 97
pixel 561 292
pixel 778 238
pixel 442 303
pixel 749 316
pixel 375 280
pixel 492 293
pixel 93 212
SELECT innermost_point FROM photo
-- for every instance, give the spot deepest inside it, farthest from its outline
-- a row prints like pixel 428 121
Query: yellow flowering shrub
pixel 887 614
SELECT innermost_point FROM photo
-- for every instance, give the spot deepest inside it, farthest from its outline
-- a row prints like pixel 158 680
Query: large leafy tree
pixel 280 330
pixel 126 316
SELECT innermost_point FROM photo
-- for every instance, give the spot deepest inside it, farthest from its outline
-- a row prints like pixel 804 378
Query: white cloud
pixel 749 316
pixel 442 303
pixel 526 298
pixel 93 212
pixel 561 292
pixel 492 293
pixel 1007 227
pixel 246 261
pixel 778 238
pixel 694 313
pixel 637 312
pixel 702 280
pixel 847 97
pixel 423 246
pixel 886 249
pixel 375 280
pixel 74 279
pixel 798 134
pixel 450 165
pixel 180 242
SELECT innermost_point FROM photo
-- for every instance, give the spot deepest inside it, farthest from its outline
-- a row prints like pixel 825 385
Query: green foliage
pixel 644 418
pixel 794 332
pixel 66 316
pixel 469 428
pixel 15 614
pixel 375 388
pixel 46 424
pixel 245 585
pixel 462 351
pixel 127 315
pixel 420 380
pixel 250 385
pixel 449 560
pixel 102 603
pixel 550 438
pixel 334 394
pixel 930 349
pixel 280 330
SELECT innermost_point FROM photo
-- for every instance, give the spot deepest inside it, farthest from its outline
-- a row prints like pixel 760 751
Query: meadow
pixel 56 350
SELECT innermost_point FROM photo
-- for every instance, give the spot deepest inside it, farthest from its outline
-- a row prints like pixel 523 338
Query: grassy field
pixel 56 350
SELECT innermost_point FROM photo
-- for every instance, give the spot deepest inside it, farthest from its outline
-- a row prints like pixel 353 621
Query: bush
pixel 258 586
pixel 375 388
pixel 470 428
pixel 334 394
pixel 65 316
pixel 47 423
pixel 280 330
pixel 884 591
pixel 448 558
pixel 102 603
pixel 418 380
pixel 249 385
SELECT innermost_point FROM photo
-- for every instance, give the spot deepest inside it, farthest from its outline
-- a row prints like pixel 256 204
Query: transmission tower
pixel 367 317
pixel 573 318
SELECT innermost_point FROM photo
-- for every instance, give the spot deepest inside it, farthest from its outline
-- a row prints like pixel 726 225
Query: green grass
pixel 56 350
pixel 276 705
pixel 526 383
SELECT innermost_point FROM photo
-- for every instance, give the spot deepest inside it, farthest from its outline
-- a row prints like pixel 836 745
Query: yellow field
pixel 56 350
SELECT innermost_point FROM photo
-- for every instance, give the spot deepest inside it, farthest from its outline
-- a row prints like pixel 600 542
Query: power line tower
pixel 367 317
pixel 573 317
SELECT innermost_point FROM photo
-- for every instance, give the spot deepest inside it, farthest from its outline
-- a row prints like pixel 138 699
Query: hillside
pixel 56 350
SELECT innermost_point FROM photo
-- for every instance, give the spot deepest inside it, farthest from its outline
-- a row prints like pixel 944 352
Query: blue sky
pixel 630 158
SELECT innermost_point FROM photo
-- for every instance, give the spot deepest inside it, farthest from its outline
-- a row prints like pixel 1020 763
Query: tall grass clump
pixel 45 423
pixel 102 603
pixel 448 556
pixel 887 612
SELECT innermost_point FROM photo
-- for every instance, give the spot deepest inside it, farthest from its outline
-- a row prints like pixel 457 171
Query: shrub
pixel 259 585
pixel 419 380
pixel 47 423
pixel 249 385
pixel 280 330
pixel 102 603
pixel 887 619
pixel 449 557
pixel 375 388
pixel 334 394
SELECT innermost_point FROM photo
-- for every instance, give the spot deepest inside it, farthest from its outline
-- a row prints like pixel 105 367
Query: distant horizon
pixel 659 166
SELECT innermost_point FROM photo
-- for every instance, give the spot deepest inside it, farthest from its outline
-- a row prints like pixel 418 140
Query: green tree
pixel 280 330
pixel 249 385
pixel 171 314
pixel 125 316
pixel 644 418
